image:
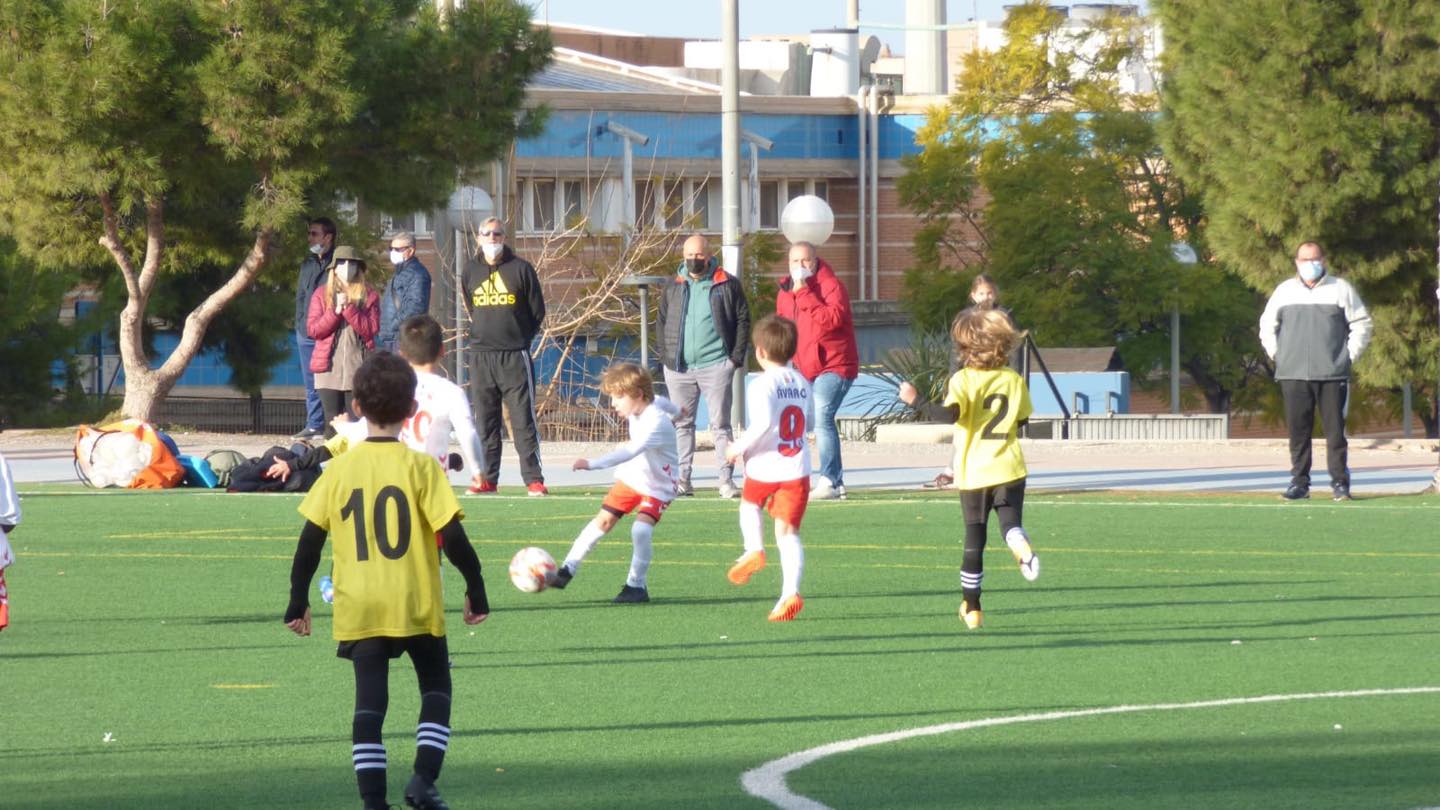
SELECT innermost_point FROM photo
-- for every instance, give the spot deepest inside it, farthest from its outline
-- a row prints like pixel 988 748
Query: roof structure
pixel 576 70
pixel 1099 358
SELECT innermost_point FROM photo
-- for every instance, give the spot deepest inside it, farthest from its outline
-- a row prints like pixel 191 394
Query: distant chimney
pixel 925 47
pixel 835 66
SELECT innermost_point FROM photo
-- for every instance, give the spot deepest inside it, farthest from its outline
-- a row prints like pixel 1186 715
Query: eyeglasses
pixel 401 247
pixel 492 233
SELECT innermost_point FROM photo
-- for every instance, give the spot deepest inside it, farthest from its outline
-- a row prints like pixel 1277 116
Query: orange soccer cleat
pixel 747 566
pixel 787 608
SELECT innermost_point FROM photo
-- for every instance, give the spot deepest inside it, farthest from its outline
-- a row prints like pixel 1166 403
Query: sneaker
pixel 629 596
pixel 683 489
pixel 1296 493
pixel 728 490
pixel 563 575
pixel 972 618
pixel 942 481
pixel 309 433
pixel 1025 556
pixel 747 566
pixel 787 608
pixel 536 489
pixel 1341 492
pixel 485 488
pixel 421 793
pixel 826 491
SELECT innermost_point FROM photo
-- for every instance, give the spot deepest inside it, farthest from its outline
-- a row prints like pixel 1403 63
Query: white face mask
pixel 1312 270
pixel 317 249
pixel 397 256
pixel 346 271
pixel 492 252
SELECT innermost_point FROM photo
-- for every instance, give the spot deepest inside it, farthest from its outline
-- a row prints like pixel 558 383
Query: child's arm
pixel 462 555
pixel 928 411
pixel 667 407
pixel 623 453
pixel 760 415
pixel 310 459
pixel 9 501
pixel 462 424
pixel 302 570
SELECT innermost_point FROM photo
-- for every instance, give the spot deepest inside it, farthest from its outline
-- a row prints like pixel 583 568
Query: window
pixel 417 223
pixel 542 206
pixel 572 204
pixel 775 194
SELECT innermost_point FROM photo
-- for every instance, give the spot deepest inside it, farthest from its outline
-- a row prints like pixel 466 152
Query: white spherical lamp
pixel 807 219
pixel 469 206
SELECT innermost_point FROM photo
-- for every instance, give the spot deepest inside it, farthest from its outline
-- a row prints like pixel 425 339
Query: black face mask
pixel 696 267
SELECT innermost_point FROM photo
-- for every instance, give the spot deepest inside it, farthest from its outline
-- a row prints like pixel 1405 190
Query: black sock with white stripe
pixel 372 697
pixel 432 736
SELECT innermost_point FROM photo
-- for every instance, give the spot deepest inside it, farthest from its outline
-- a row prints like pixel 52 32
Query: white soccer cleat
pixel 1025 556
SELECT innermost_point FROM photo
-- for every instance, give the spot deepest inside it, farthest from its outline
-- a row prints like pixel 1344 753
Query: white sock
pixel 640 533
pixel 584 544
pixel 1019 542
pixel 752 526
pixel 792 563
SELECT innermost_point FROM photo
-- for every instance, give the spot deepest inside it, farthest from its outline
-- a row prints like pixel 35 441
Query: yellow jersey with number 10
pixel 382 504
pixel 992 403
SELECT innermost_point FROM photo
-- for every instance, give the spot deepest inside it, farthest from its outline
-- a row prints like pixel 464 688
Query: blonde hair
pixel 985 337
pixel 628 379
pixel 356 290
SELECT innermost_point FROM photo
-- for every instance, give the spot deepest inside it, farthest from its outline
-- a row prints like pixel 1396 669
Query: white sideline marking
pixel 768 781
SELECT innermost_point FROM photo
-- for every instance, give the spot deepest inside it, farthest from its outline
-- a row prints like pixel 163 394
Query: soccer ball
pixel 531 569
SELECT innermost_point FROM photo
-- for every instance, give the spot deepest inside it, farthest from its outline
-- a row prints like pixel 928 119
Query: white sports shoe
pixel 1019 545
pixel 825 491
pixel 728 490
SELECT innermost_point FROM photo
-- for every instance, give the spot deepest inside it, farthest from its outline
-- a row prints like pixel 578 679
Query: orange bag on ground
pixel 129 453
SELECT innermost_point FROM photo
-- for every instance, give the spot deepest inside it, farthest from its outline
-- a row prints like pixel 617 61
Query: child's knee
pixel 605 521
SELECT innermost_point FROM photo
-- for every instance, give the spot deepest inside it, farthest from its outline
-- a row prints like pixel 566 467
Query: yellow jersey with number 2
pixel 382 504
pixel 992 403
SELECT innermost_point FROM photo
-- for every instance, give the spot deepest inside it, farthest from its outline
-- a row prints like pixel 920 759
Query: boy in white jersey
pixel 987 402
pixel 778 407
pixel 645 478
pixel 440 407
pixel 9 519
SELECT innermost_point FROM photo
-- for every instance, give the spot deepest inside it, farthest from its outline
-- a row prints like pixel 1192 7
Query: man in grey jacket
pixel 704 335
pixel 1314 328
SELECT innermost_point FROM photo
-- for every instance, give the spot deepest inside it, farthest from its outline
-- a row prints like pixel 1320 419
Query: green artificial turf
pixel 146 665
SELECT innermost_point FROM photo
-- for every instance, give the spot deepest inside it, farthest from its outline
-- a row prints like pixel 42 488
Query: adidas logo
pixel 492 293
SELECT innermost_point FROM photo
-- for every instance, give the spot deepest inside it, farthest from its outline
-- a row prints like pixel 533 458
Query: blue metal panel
pixel 579 134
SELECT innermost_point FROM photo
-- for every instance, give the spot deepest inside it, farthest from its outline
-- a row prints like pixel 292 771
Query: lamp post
pixel 468 207
pixel 1185 255
pixel 644 283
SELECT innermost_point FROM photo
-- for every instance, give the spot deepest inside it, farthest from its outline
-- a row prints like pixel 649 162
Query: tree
pixel 164 136
pixel 1045 172
pixel 32 339
pixel 1317 121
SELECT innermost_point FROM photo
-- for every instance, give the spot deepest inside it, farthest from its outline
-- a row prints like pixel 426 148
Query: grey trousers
pixel 685 389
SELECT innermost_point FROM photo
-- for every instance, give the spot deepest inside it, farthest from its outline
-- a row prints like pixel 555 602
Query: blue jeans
pixel 830 389
pixel 314 413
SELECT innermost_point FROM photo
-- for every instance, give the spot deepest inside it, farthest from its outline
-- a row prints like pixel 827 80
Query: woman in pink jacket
pixel 343 319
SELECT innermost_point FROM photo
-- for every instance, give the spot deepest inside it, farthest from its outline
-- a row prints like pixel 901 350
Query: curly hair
pixel 985 337
pixel 628 379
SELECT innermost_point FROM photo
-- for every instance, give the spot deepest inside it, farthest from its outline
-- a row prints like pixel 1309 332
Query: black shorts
pixel 977 503
pixel 419 647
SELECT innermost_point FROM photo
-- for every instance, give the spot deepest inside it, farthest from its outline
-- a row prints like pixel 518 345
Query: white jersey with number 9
pixel 779 409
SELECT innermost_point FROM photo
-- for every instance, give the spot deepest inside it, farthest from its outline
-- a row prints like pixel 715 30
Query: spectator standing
pixel 343 320
pixel 321 235
pixel 703 336
pixel 826 353
pixel 408 292
pixel 506 308
pixel 1314 328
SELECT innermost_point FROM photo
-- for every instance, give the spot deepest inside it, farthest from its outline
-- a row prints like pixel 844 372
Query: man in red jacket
pixel 825 354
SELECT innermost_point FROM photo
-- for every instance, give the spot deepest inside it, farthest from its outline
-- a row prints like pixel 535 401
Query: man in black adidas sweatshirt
pixel 506 309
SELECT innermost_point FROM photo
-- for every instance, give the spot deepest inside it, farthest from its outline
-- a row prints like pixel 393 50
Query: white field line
pixel 767 782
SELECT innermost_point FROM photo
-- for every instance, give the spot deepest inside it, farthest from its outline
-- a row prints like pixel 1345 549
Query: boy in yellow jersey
pixel 988 402
pixel 384 502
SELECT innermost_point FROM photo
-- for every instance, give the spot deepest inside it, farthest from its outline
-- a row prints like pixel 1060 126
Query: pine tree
pixel 166 135
pixel 1317 121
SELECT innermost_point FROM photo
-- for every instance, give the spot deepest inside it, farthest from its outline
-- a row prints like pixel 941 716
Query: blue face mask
pixel 1312 270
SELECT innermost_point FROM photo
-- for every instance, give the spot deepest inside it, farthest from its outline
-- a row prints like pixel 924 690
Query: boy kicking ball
pixel 385 502
pixel 988 402
pixel 777 463
pixel 645 478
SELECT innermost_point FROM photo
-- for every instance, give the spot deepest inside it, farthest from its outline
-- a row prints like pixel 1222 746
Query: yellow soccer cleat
pixel 747 566
pixel 972 618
